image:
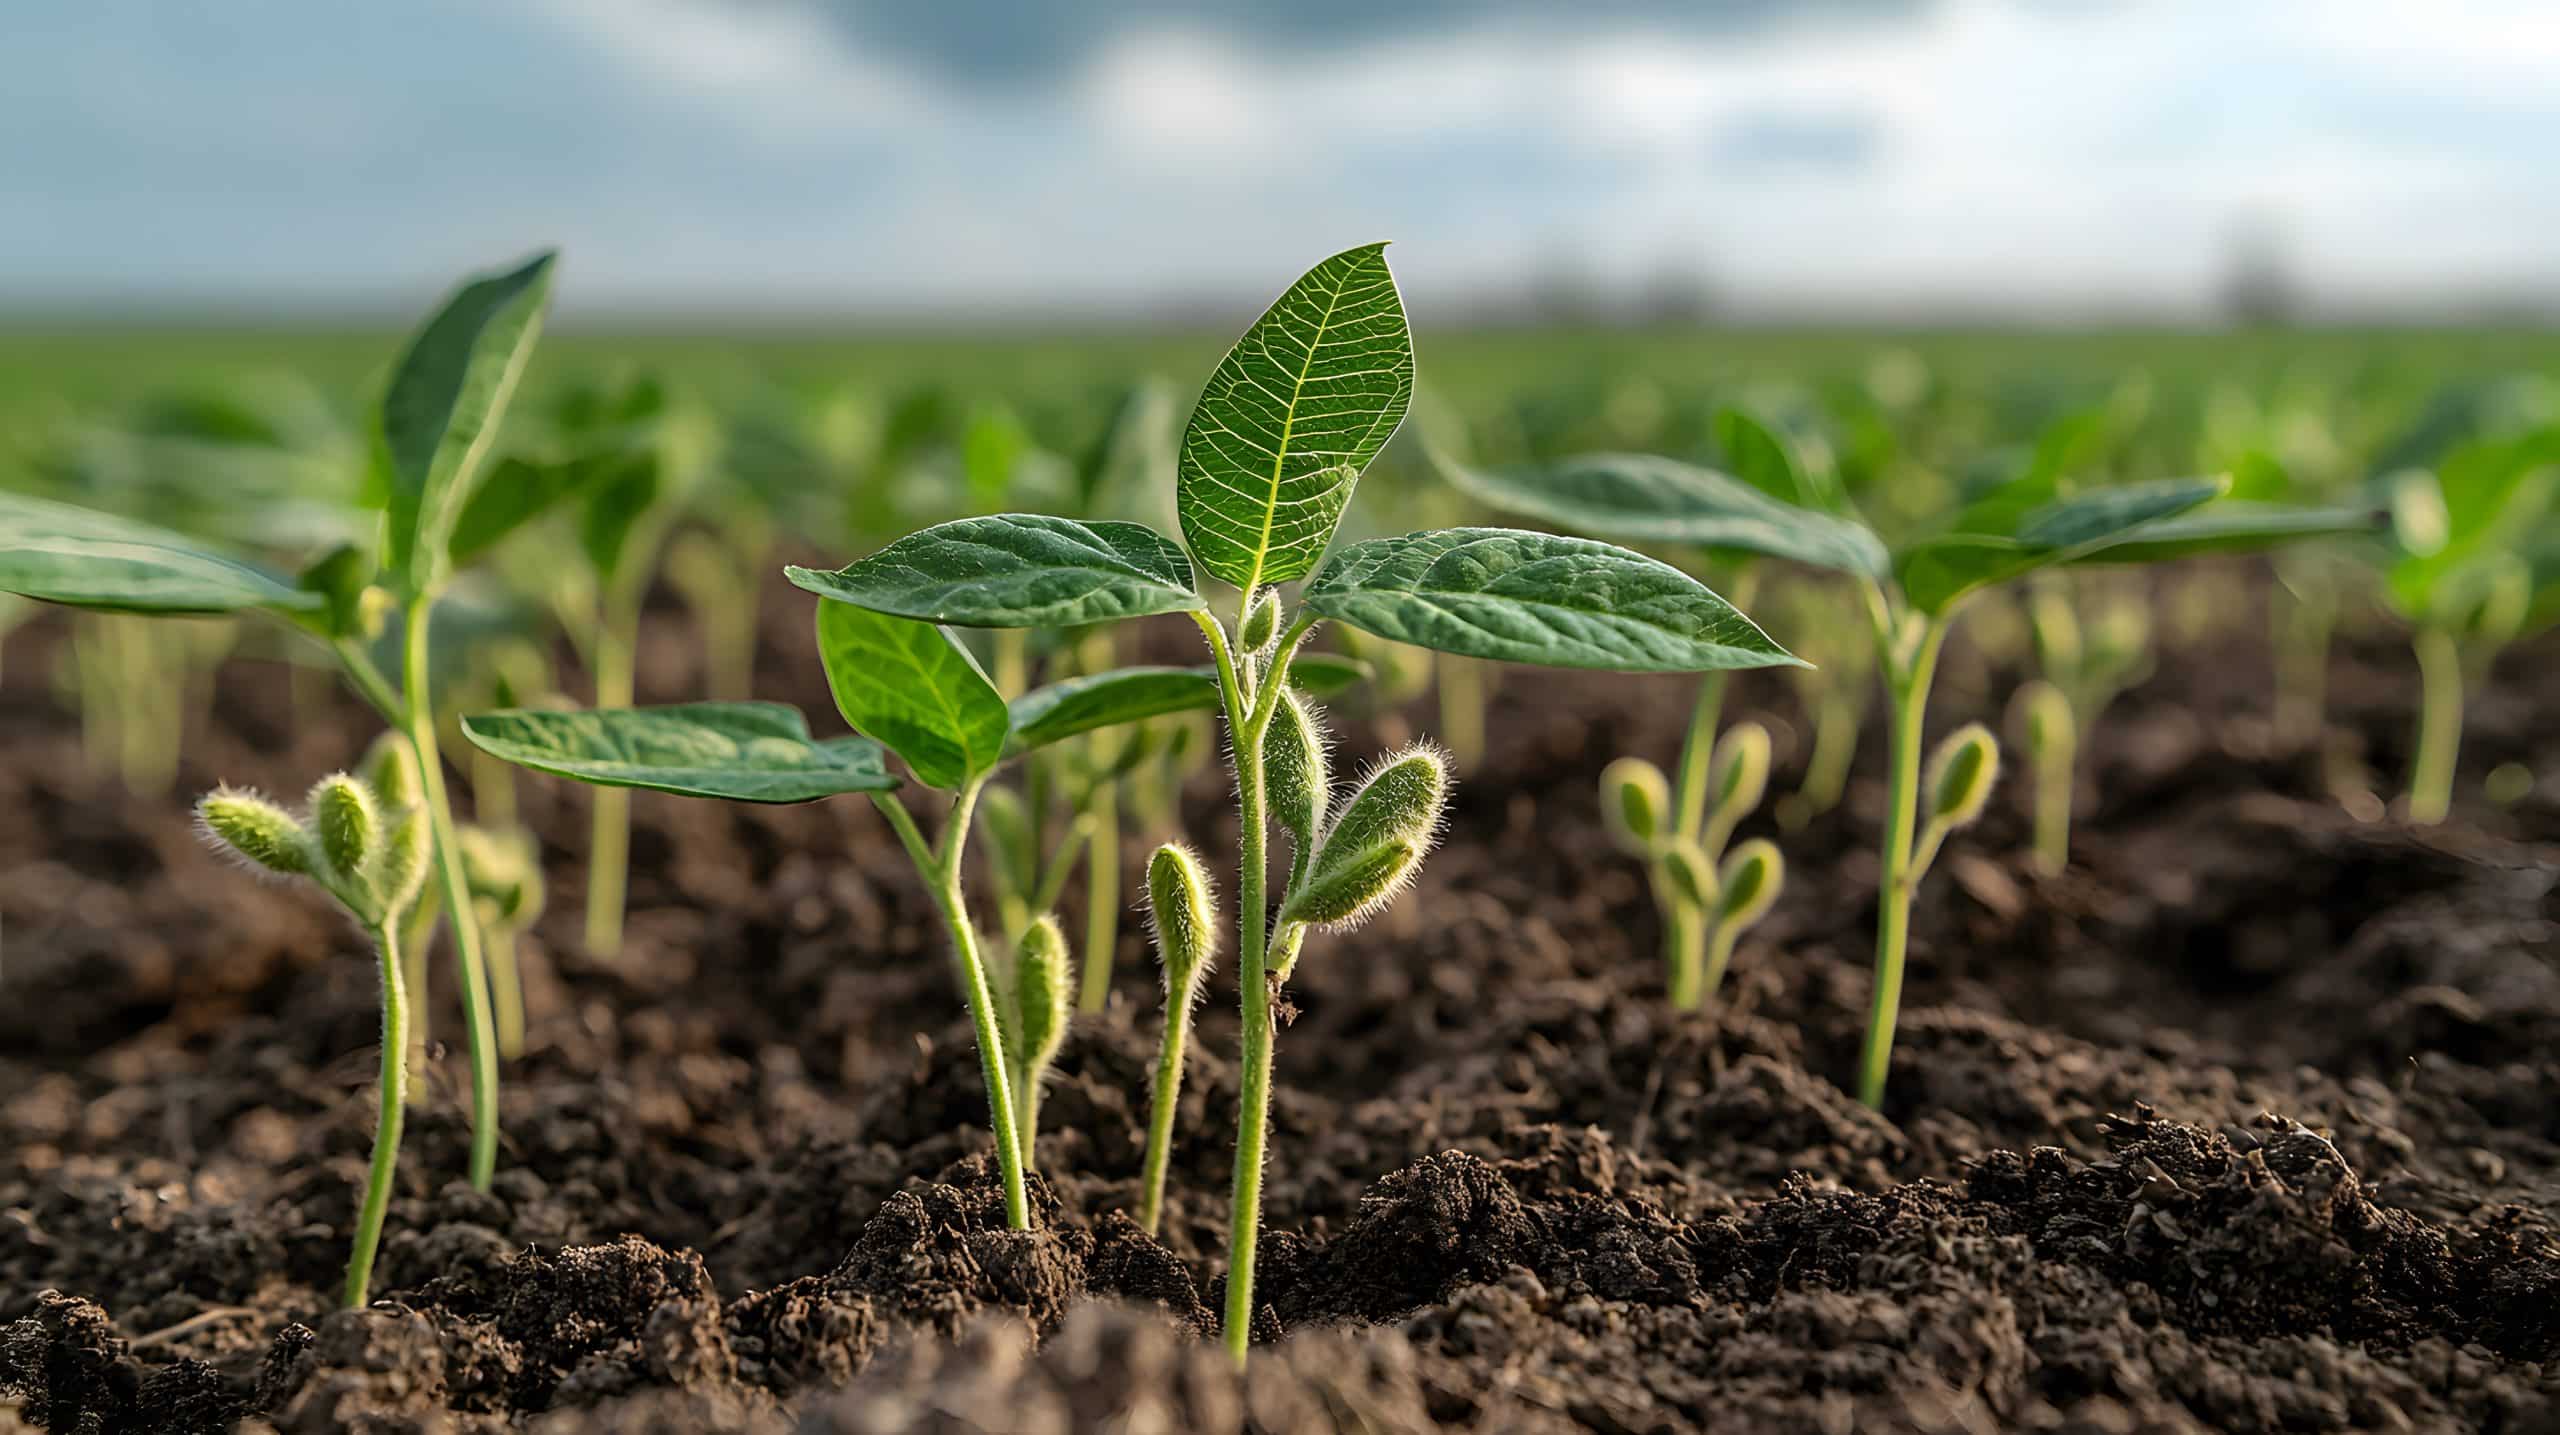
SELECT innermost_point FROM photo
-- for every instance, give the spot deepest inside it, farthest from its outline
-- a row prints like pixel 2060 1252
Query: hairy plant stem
pixel 1101 896
pixel 456 888
pixel 1907 680
pixel 940 870
pixel 1168 1101
pixel 2439 739
pixel 387 1121
pixel 1248 712
pixel 609 842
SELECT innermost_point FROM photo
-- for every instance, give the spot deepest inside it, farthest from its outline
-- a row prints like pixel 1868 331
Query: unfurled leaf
pixel 442 409
pixel 1646 499
pixel 1936 572
pixel 2231 526
pixel 64 554
pixel 1292 415
pixel 516 492
pixel 1537 598
pixel 1767 460
pixel 1017 570
pixel 745 752
pixel 912 688
pixel 1071 706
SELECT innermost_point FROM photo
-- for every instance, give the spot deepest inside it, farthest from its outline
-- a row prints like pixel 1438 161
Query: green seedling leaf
pixel 1937 572
pixel 443 406
pixel 1292 415
pixel 1961 775
pixel 620 504
pixel 1750 881
pixel 1017 570
pixel 911 687
pixel 257 830
pixel 744 752
pixel 517 492
pixel 1765 459
pixel 1377 843
pixel 344 818
pixel 1297 772
pixel 1071 706
pixel 1537 598
pixel 1635 802
pixel 64 554
pixel 2232 526
pixel 1642 498
pixel 1691 873
pixel 343 578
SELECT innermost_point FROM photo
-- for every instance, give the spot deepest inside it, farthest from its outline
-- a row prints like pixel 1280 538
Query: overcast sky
pixel 823 156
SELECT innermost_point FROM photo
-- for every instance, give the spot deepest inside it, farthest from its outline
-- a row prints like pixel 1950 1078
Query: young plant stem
pixel 1101 896
pixel 1908 693
pixel 941 873
pixel 387 1122
pixel 2439 739
pixel 1720 940
pixel 456 889
pixel 609 843
pixel 2056 774
pixel 1697 756
pixel 506 992
pixel 1680 937
pixel 1835 744
pixel 1248 713
pixel 1168 1100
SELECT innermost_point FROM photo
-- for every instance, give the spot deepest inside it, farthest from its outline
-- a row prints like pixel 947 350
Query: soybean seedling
pixel 1182 915
pixel 437 420
pixel 1280 435
pixel 371 858
pixel 2085 664
pixel 1913 592
pixel 2463 577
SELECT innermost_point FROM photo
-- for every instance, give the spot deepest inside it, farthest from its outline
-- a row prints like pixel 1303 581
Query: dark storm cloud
pixel 1014 42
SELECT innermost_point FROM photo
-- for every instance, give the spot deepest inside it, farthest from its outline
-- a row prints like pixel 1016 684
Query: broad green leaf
pixel 1767 460
pixel 77 556
pixel 1642 498
pixel 1537 598
pixel 1294 412
pixel 744 752
pixel 517 492
pixel 341 577
pixel 442 409
pixel 622 503
pixel 1017 570
pixel 1072 706
pixel 2232 526
pixel 912 688
pixel 1937 572
pixel 2490 496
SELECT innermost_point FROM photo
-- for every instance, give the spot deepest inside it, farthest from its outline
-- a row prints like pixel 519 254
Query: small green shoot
pixel 1182 916
pixel 371 858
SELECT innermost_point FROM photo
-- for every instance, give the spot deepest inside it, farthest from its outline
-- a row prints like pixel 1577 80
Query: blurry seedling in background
pixel 2472 572
pixel 437 419
pixel 1912 590
pixel 371 860
pixel 2092 642
pixel 1283 429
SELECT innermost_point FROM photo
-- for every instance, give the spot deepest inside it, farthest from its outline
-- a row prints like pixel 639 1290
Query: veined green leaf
pixel 745 752
pixel 1642 498
pixel 443 406
pixel 1017 570
pixel 516 492
pixel 911 687
pixel 77 556
pixel 2232 526
pixel 1292 415
pixel 1072 706
pixel 1537 598
pixel 1936 572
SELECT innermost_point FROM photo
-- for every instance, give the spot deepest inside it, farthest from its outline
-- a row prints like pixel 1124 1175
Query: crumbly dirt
pixel 2245 1122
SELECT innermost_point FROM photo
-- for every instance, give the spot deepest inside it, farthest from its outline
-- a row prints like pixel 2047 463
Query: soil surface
pixel 2247 1122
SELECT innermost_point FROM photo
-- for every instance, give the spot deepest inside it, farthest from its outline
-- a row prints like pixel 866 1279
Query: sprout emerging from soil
pixel 1282 431
pixel 1039 1000
pixel 2052 738
pixel 1684 864
pixel 371 858
pixel 1182 915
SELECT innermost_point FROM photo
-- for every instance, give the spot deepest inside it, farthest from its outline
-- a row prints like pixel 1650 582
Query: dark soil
pixel 2247 1122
